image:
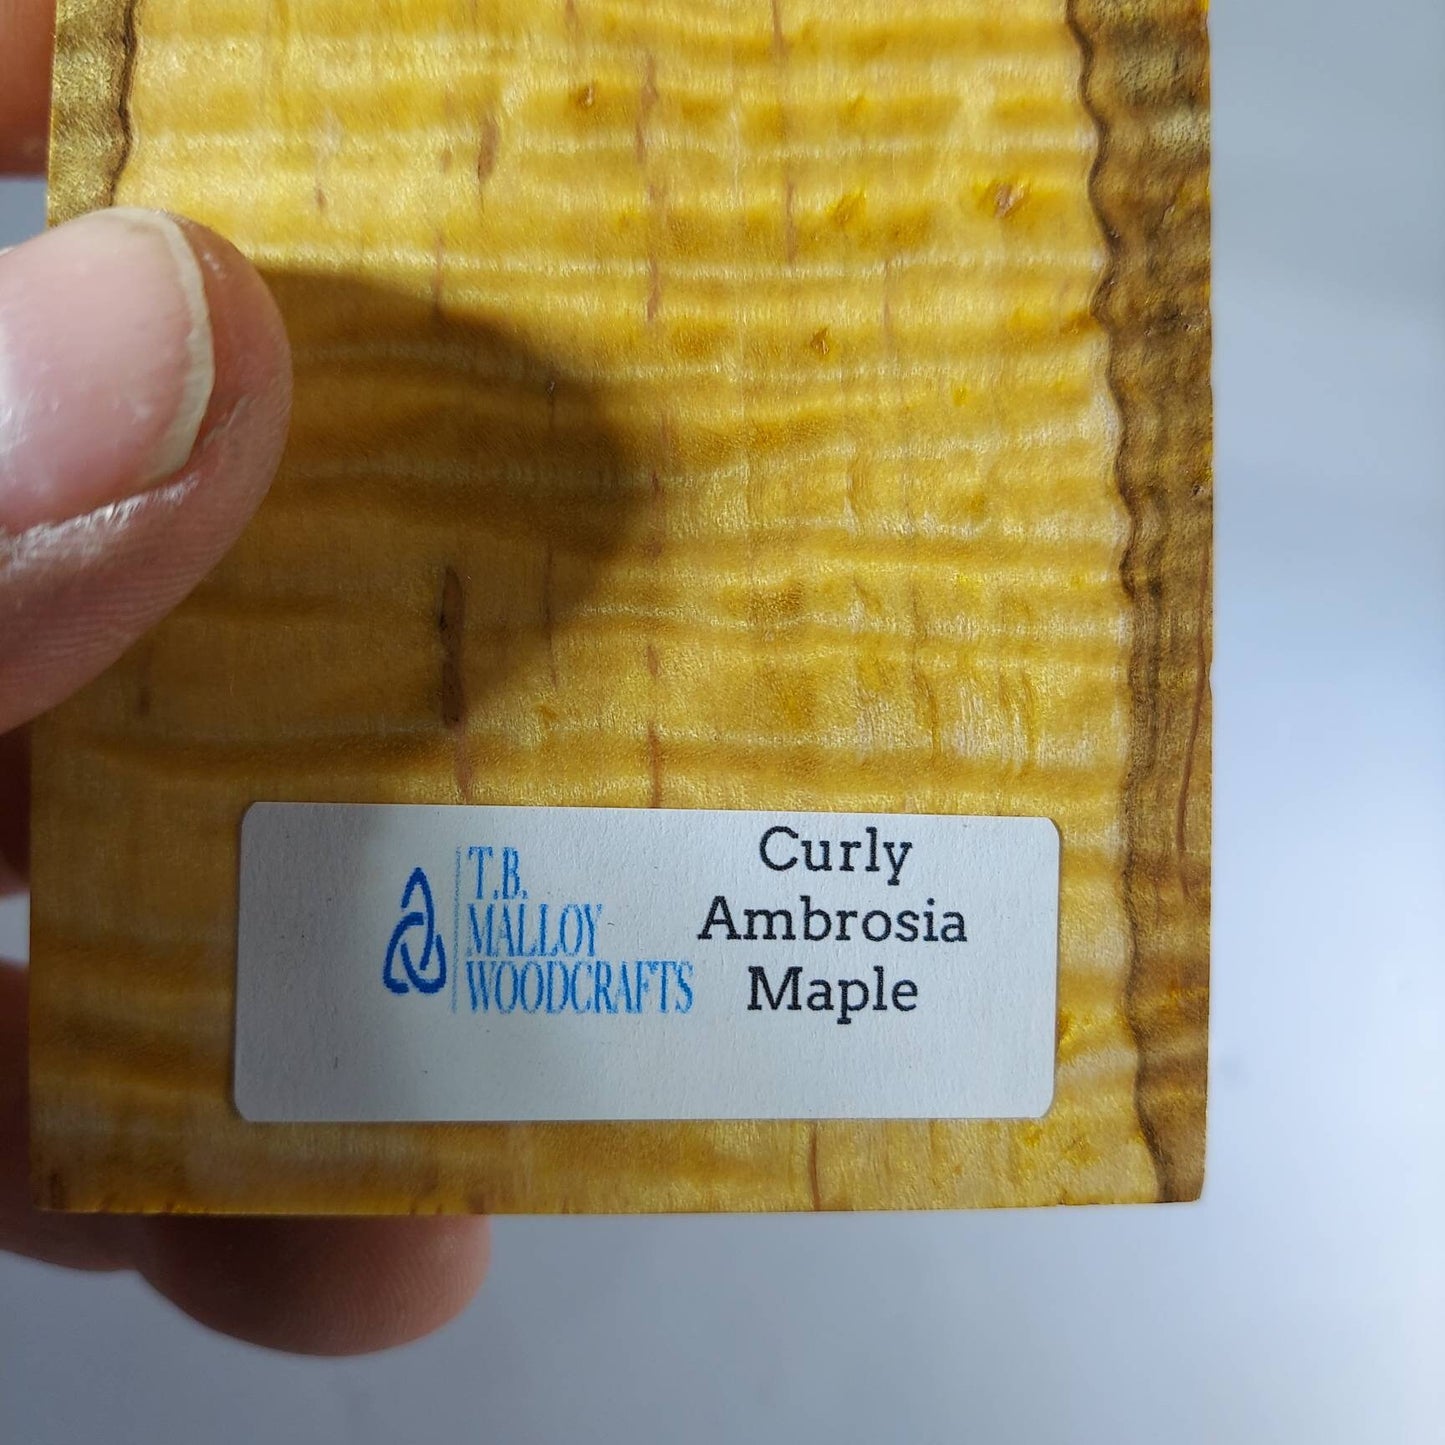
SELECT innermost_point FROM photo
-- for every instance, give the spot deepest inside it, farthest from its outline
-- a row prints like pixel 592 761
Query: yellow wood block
pixel 802 406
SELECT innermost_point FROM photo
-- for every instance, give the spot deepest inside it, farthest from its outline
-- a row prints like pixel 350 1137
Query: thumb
pixel 145 386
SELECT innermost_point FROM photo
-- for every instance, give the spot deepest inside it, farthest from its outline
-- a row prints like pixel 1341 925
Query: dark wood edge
pixel 1146 84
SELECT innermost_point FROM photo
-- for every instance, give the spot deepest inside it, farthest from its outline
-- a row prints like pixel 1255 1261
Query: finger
pixel 318 1286
pixel 310 1286
pixel 27 35
pixel 14 811
pixel 144 394
pixel 136 449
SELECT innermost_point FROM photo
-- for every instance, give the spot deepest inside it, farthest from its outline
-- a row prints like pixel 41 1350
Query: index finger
pixel 27 38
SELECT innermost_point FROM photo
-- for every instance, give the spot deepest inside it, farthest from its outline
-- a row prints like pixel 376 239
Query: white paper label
pixel 452 963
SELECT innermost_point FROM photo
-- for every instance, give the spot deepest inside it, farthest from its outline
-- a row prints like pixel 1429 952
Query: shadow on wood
pixel 447 500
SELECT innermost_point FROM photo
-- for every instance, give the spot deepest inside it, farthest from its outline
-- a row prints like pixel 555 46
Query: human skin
pixel 144 395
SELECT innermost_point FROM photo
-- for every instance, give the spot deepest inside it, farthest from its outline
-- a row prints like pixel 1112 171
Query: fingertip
pixel 14 810
pixel 28 31
pixel 105 537
pixel 252 354
pixel 318 1286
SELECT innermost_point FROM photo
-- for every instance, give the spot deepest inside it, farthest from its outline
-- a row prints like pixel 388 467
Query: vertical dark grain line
pixel 451 622
pixel 1144 82
pixel 129 43
pixel 451 629
pixel 1196 717
pixel 92 126
pixel 654 767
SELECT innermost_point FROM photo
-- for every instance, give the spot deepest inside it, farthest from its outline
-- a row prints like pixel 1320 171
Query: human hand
pixel 144 394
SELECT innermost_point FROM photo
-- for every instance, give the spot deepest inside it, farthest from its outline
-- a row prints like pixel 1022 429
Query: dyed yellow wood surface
pixel 700 404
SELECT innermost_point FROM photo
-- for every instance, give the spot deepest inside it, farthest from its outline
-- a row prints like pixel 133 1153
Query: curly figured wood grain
pixel 1146 81
pixel 699 404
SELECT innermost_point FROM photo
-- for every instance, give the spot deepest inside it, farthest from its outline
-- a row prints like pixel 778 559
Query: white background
pixel 1304 1298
